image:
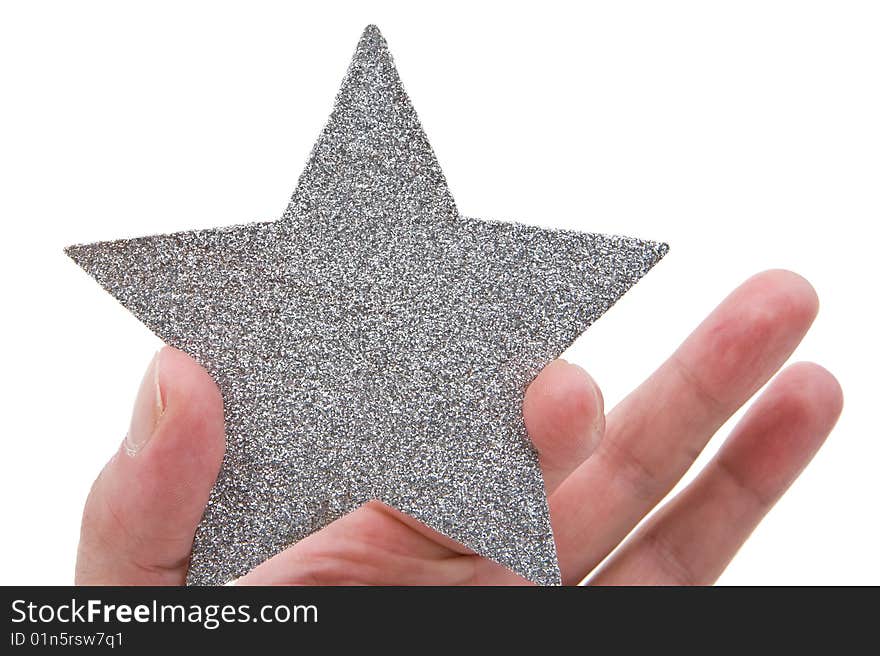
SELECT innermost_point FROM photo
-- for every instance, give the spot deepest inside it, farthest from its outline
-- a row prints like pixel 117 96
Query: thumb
pixel 143 509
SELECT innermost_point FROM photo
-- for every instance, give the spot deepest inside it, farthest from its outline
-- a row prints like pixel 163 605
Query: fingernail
pixel 598 425
pixel 599 418
pixel 148 408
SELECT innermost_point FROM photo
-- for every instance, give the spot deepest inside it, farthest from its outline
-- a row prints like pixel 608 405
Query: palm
pixel 374 546
pixel 603 474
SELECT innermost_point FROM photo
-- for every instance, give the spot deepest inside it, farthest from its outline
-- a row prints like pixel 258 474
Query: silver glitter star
pixel 372 343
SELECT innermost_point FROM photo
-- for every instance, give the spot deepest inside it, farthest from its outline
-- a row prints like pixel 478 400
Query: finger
pixel 654 434
pixel 142 511
pixel 565 417
pixel 693 538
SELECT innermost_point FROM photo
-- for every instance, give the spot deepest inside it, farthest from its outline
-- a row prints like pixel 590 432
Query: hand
pixel 603 473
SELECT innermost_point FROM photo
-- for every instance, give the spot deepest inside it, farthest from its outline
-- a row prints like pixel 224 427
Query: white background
pixel 746 135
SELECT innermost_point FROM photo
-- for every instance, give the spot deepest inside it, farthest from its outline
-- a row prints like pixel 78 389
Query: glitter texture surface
pixel 372 343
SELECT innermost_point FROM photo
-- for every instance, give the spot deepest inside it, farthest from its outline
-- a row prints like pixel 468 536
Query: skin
pixel 604 472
